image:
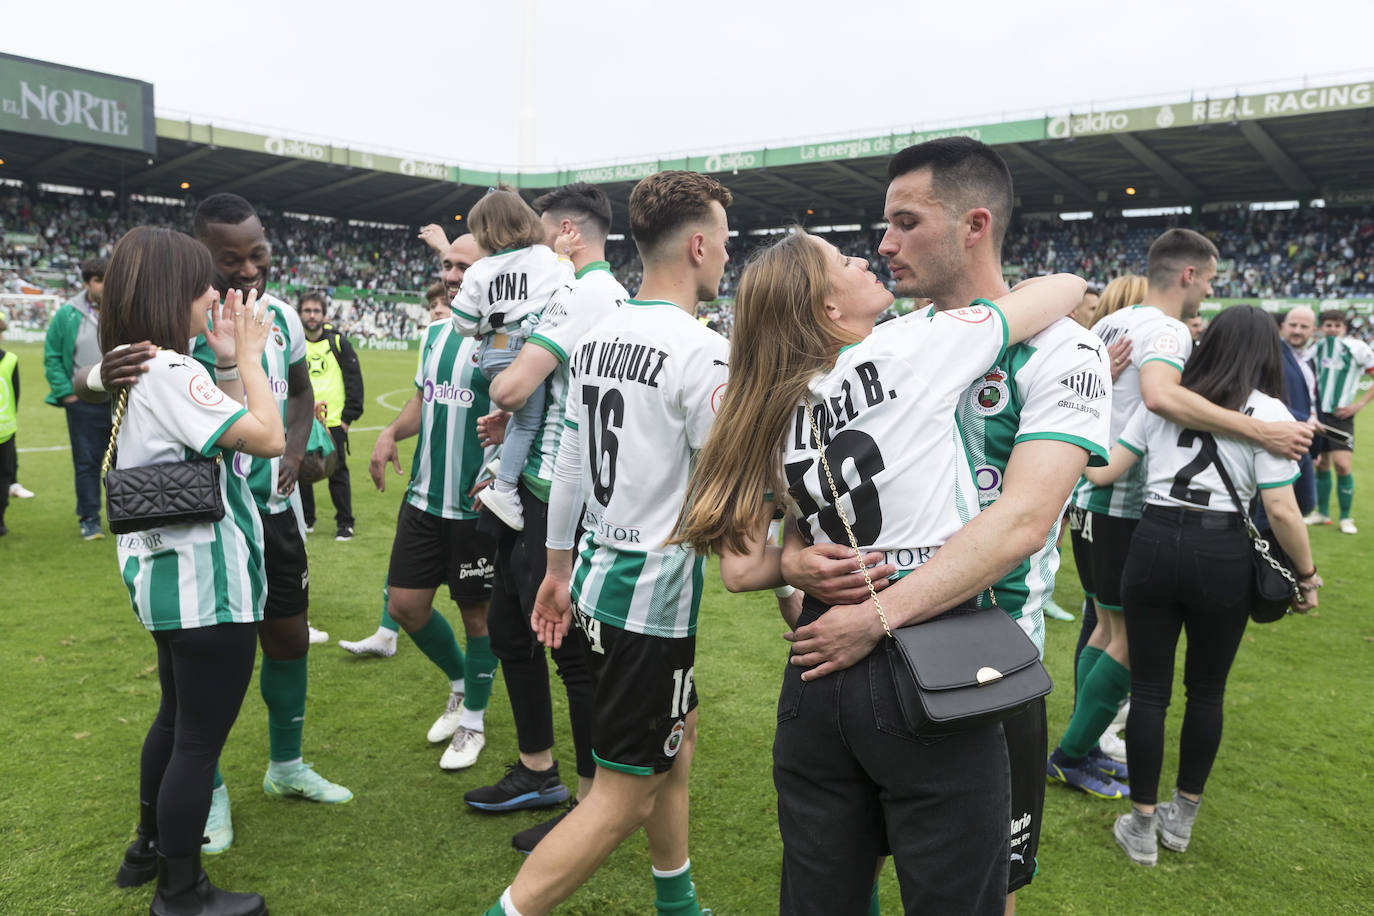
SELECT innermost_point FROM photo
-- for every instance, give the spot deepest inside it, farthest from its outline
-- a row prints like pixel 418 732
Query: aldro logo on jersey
pixel 447 393
pixel 1086 384
pixel 990 397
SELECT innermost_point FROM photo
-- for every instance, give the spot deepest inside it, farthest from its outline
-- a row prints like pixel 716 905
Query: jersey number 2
pixel 1181 489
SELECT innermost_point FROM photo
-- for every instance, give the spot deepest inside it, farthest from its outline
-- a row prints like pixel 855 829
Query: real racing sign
pixel 83 106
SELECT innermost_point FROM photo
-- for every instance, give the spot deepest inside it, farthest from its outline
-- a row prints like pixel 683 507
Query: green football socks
pixel 873 908
pixel 1107 684
pixel 283 690
pixel 436 640
pixel 675 893
pixel 1345 493
pixel 1324 492
pixel 481 666
pixel 1086 659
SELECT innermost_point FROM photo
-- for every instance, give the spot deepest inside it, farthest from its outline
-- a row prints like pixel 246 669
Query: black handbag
pixel 154 495
pixel 964 669
pixel 1276 586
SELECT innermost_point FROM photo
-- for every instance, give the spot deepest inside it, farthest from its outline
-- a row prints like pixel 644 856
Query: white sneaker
pixel 463 749
pixel 219 828
pixel 376 644
pixel 505 505
pixel 1316 518
pixel 445 726
pixel 19 491
pixel 317 636
pixel 1112 746
pixel 1348 526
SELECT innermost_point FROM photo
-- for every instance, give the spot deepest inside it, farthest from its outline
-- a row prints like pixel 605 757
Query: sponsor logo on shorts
pixel 673 742
pixel 482 569
pixel 1086 384
pixel 990 397
pixel 205 392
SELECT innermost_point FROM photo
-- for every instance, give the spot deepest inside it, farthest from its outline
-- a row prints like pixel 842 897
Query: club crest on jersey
pixel 1086 384
pixel 990 396
pixel 673 742
pixel 447 393
pixel 278 339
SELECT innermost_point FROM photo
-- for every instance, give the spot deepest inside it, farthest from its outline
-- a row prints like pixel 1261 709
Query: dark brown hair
pixel 153 277
pixel 665 201
pixel 965 174
pixel 436 291
pixel 1238 353
pixel 1175 250
pixel 585 204
pixel 1333 315
pixel 502 221
pixel 94 267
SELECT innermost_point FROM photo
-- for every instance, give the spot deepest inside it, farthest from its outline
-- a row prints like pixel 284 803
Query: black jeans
pixel 1187 571
pixel 520 563
pixel 88 427
pixel 9 470
pixel 340 487
pixel 854 783
pixel 204 674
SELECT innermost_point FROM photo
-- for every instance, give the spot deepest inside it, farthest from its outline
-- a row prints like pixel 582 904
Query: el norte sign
pixel 50 100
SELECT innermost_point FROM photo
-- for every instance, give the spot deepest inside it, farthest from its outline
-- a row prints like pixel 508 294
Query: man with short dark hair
pixel 73 340
pixel 338 382
pixel 1342 363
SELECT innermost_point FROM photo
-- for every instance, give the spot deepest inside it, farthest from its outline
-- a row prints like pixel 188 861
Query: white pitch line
pixel 382 398
pixel 45 448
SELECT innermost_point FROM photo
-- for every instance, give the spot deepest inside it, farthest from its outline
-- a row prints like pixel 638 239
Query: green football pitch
pixel 1285 827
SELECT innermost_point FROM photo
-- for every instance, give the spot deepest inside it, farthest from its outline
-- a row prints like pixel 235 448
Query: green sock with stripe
pixel 436 640
pixel 481 665
pixel 387 622
pixel 283 690
pixel 675 892
pixel 1324 492
pixel 1104 688
pixel 1345 493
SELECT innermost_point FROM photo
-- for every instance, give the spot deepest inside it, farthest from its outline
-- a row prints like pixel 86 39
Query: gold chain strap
pixel 853 542
pixel 120 406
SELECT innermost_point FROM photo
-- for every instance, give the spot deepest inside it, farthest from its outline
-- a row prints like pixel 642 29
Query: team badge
pixel 989 397
pixel 278 340
pixel 674 740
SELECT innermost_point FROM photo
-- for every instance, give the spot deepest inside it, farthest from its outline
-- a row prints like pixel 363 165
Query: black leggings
pixel 204 674
pixel 1190 571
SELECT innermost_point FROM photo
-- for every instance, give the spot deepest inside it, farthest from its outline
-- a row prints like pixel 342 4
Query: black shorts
pixel 429 550
pixel 1027 737
pixel 1321 444
pixel 288 571
pixel 644 688
pixel 1109 540
pixel 1082 549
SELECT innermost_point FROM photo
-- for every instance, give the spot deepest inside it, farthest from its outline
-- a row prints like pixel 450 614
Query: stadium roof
pixel 1303 143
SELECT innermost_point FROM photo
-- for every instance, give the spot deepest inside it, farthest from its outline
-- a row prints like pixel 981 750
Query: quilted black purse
pixel 171 493
pixel 964 669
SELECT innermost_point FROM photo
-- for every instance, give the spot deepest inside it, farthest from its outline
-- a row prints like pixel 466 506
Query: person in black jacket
pixel 338 382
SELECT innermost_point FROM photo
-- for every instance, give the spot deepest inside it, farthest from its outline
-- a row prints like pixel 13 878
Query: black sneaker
pixel 521 787
pixel 527 839
pixel 345 533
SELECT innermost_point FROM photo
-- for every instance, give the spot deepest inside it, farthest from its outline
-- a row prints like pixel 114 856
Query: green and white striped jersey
pixel 1341 363
pixel 887 422
pixel 185 576
pixel 645 386
pixel 453 395
pixel 1154 336
pixel 285 348
pixel 575 308
pixel 1055 385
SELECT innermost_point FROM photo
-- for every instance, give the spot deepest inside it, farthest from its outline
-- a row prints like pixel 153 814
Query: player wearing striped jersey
pixel 1342 363
pixel 198 587
pixel 644 389
pixel 576 308
pixel 1031 424
pixel 1180 267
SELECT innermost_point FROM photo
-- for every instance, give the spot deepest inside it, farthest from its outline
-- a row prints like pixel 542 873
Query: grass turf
pixel 1285 826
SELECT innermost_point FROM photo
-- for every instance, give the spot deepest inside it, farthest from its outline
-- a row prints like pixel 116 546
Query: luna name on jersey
pixel 508 286
pixel 839 410
pixel 620 360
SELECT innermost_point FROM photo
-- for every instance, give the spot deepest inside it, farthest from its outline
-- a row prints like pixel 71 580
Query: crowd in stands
pixel 1265 253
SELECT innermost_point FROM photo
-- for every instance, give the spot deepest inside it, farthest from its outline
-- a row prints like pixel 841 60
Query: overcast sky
pixel 619 80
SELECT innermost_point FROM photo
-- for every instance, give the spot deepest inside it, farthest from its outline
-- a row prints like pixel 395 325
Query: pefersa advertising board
pixel 81 106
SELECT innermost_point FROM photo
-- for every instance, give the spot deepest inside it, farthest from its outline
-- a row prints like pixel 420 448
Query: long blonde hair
pixel 781 339
pixel 1124 291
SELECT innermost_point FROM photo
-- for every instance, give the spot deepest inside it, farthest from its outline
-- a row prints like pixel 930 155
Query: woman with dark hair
pixel 1189 566
pixel 854 782
pixel 198 588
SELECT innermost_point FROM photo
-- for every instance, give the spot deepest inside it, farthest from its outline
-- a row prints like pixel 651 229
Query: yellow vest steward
pixel 327 378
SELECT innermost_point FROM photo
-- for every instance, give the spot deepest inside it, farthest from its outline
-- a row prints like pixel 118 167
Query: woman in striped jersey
pixel 198 588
